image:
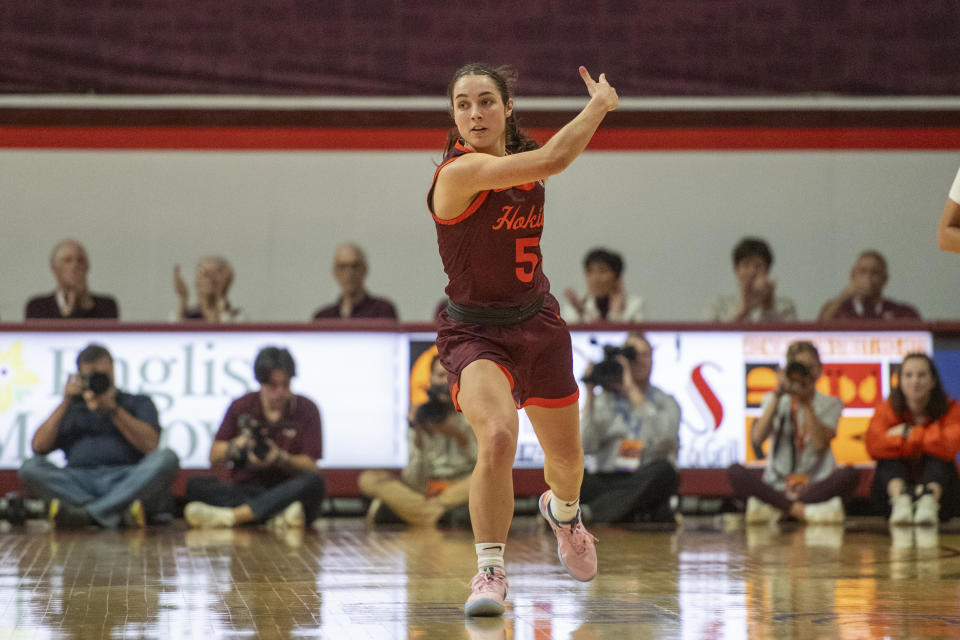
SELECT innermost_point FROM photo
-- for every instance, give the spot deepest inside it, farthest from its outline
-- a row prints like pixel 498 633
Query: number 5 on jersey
pixel 527 255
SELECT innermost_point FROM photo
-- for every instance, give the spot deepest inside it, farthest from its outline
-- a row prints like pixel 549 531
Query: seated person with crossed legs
pixel 443 452
pixel 270 440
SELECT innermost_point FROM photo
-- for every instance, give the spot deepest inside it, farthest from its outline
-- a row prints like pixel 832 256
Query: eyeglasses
pixel 345 266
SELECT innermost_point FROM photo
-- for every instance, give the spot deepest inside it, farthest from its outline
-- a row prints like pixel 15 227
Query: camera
pixel 97 382
pixel 609 372
pixel 257 432
pixel 435 410
pixel 797 370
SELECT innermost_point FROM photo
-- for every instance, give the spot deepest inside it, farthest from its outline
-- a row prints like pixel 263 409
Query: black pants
pixel 624 497
pixel 265 502
pixel 914 472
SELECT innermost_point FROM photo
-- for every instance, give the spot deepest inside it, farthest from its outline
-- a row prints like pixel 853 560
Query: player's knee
pixel 497 447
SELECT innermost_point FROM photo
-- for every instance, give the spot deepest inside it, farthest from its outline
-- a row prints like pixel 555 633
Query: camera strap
pixel 494 316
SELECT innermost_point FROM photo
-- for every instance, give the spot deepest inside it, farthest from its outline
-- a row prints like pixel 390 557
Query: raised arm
pixel 460 181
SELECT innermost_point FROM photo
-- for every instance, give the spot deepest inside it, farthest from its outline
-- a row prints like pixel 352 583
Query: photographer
pixel 115 473
pixel 801 478
pixel 270 440
pixel 436 480
pixel 630 434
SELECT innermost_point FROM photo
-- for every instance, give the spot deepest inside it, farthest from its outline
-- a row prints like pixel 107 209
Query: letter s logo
pixel 714 409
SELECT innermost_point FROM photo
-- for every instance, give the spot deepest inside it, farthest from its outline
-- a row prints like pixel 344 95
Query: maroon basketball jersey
pixel 491 251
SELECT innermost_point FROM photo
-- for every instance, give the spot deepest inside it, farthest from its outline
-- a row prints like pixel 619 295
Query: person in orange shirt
pixel 914 436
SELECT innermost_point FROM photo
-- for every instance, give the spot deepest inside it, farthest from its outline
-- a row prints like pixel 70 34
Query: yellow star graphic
pixel 13 373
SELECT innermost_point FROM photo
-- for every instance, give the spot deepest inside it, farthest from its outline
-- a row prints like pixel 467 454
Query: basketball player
pixel 948 233
pixel 501 337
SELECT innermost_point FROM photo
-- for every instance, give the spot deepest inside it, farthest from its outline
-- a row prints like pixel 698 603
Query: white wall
pixel 278 215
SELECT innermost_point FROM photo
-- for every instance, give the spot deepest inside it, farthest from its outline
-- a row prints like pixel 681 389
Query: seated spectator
pixel 757 300
pixel 862 298
pixel 212 281
pixel 271 441
pixel 630 433
pixel 606 298
pixel 115 472
pixel 914 436
pixel 948 231
pixel 71 299
pixel 350 272
pixel 436 480
pixel 801 478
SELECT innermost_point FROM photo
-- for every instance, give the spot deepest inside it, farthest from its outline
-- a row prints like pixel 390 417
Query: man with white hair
pixel 71 299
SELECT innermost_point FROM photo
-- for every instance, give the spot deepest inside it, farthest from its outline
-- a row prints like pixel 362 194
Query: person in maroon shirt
pixel 350 272
pixel 862 298
pixel 270 440
pixel 71 299
pixel 501 338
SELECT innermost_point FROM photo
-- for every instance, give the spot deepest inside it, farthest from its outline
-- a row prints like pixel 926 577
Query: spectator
pixel 71 299
pixel 757 300
pixel 630 433
pixel 212 281
pixel 801 478
pixel 606 298
pixel 914 436
pixel 443 451
pixel 350 272
pixel 948 231
pixel 115 472
pixel 271 441
pixel 862 298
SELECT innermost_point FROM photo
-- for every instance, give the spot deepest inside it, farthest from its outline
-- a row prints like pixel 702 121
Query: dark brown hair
pixel 936 405
pixel 505 78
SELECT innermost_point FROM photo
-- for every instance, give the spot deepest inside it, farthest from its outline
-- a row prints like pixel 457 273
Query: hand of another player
pixel 600 90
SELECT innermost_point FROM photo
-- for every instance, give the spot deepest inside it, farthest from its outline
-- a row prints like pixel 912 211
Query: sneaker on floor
pixel 926 511
pixel 827 512
pixel 575 545
pixel 135 516
pixel 759 512
pixel 488 591
pixel 290 518
pixel 64 515
pixel 200 515
pixel 901 510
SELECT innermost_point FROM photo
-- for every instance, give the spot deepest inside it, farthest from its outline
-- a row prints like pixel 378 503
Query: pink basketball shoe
pixel 489 590
pixel 574 543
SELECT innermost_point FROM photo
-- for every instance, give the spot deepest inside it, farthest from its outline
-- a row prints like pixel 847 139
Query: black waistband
pixel 494 316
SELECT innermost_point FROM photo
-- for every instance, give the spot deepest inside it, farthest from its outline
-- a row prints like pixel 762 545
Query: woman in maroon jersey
pixel 501 337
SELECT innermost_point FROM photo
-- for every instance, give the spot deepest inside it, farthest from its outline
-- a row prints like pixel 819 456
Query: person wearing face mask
pixel 270 441
pixel 212 281
pixel 756 300
pixel 862 298
pixel 801 479
pixel 436 480
pixel 606 298
pixel 72 299
pixel 914 435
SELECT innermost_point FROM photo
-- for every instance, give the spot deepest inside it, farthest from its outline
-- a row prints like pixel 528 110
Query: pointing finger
pixel 585 74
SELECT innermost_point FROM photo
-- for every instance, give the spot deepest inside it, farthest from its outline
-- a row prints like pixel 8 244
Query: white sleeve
pixel 955 189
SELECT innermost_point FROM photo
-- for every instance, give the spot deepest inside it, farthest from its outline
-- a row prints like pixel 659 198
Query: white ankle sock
pixel 490 554
pixel 563 511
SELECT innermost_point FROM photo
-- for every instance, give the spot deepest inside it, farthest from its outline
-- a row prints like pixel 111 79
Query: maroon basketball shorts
pixel 535 355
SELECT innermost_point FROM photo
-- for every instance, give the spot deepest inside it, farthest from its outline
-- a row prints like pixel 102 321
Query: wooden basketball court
pixel 709 578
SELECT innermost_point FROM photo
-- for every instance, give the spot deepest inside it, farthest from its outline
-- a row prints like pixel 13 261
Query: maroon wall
pixel 389 47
